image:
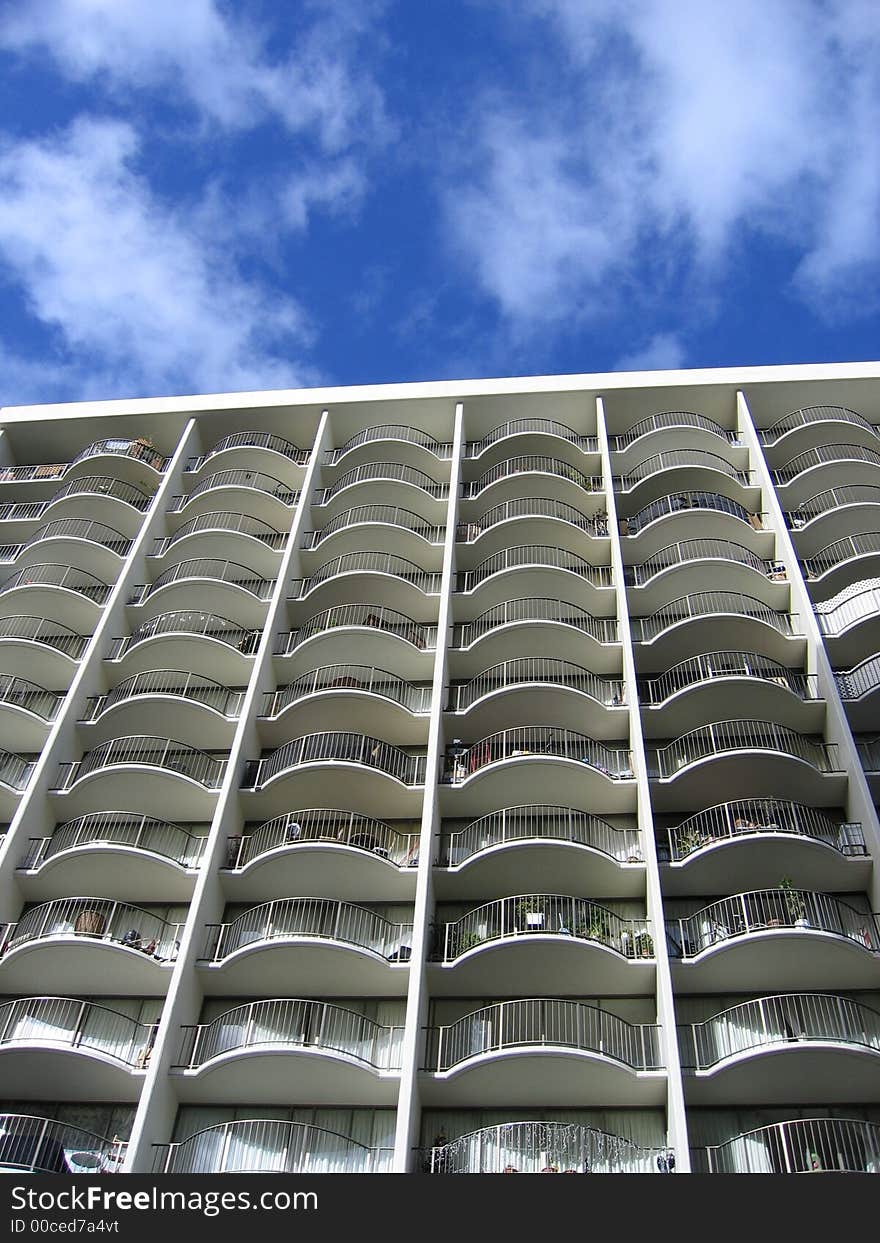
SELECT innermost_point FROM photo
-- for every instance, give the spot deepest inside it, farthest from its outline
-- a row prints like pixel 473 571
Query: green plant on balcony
pixel 690 841
pixel 530 912
pixel 466 940
pixel 644 945
pixel 795 906
pixel 597 927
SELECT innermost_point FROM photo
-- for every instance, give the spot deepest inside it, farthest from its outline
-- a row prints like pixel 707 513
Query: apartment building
pixel 444 778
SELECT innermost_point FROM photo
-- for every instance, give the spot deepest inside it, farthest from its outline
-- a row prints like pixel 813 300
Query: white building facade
pixel 447 778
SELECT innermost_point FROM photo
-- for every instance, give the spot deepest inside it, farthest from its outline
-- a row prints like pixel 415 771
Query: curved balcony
pixel 533 464
pixel 31 1144
pixel 400 577
pixel 15 772
pixel 519 620
pixel 858 464
pixel 801 1146
pixel 541 562
pixel 378 515
pixel 86 944
pixel 684 502
pixel 541 741
pixel 670 420
pixel 541 1148
pixel 364 953
pixel 547 680
pixel 831 501
pixel 268 1146
pixel 29 697
pixel 538 509
pixel 857 687
pixel 54 577
pixel 684 552
pixel 776 1047
pixel 206 569
pixel 43 648
pixel 85 529
pixel 253 440
pixel 384 474
pixel 140 450
pixel 531 427
pixel 253 484
pixel 324 1051
pixel 732 613
pixel 215 528
pixel 160 685
pixel 401 433
pixel 809 416
pixel 847 551
pixel 334 747
pixel 191 635
pixel 846 621
pixel 94 490
pixel 43 1040
pixel 352 682
pixel 405 641
pixel 693 460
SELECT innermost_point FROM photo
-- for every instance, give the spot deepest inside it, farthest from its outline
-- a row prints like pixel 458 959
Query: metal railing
pixel 841 550
pixel 539 742
pixel 49 633
pixel 97 919
pixel 672 458
pixel 544 669
pixel 426 581
pixel 539 822
pixel 66 576
pixel 327 919
pixel 292 1023
pixel 140 449
pixel 823 455
pixel 389 431
pixel 227 521
pixel 20 693
pixel 554 914
pixel 341 828
pixel 748 817
pixel 685 551
pixel 536 609
pixel 208 625
pixel 708 604
pixel 365 678
pixel 531 426
pixel 832 498
pixel 37 1145
pixel 386 515
pixel 533 556
pixel 118 828
pixel 812 414
pixel 103 485
pixel 78 1025
pixel 669 419
pixel 15 770
pixel 530 464
pixel 214 570
pixel 676 502
pixel 740 735
pixel 269 1146
pixel 336 746
pixel 383 472
pixel 371 616
pixel 532 507
pixel 730 664
pixel 541 1148
pixel 763 909
pixel 72 528
pixel 869 753
pixel 538 1022
pixel 801 1146
pixel 253 440
pixel 861 680
pixel 782 1018
pixel 253 480
pixel 176 682
pixel 148 751
pixel 835 618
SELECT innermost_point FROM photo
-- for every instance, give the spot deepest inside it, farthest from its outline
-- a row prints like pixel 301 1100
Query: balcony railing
pixel 685 551
pixel 534 556
pixel 669 419
pixel 369 563
pixel 700 669
pixel 143 750
pixel 227 521
pixel 823 455
pixel 341 828
pixel 372 616
pixel 801 1146
pixel 118 828
pixel 676 502
pixel 531 463
pixel 541 1148
pixel 71 528
pixel 532 507
pixel 387 515
pixel 96 919
pixel 176 682
pixel 389 431
pixel 537 1023
pixel 540 742
pixel 541 669
pixel 253 480
pixel 15 770
pixel 525 915
pixel 383 472
pixel 830 499
pixel 672 458
pixel 709 604
pixel 365 678
pixel 740 735
pixel 847 609
pixel 292 1023
pixel 841 550
pixel 748 817
pixel 49 633
pixel 20 693
pixel 532 426
pixel 210 568
pixel 812 414
pixel 66 576
pixel 536 609
pixel 253 440
pixel 269 1146
pixel 38 1145
pixel 784 1018
pixel 77 1025
pixel 139 449
pixel 208 625
pixel 539 822
pixel 336 747
pixel 869 753
pixel 861 680
pixel 326 919
pixel 763 909
pixel 87 485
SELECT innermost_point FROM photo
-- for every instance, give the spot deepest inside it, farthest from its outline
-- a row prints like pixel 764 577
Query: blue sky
pixel 210 195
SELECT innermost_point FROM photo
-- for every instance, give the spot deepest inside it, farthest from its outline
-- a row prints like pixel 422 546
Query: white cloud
pixel 136 296
pixel 664 352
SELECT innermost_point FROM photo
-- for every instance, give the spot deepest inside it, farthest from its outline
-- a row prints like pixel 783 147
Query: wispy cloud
pixel 664 352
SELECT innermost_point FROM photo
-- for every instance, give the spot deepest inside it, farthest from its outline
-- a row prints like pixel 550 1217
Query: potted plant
pixel 530 913
pixel 795 906
pixel 644 943
pixel 466 940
